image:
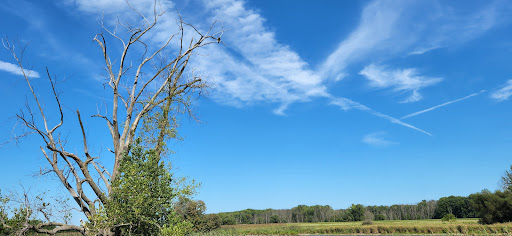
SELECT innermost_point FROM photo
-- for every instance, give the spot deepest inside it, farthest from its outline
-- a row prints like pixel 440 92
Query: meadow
pixel 386 227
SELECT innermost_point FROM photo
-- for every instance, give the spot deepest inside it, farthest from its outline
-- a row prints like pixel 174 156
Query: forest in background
pixel 459 206
pixel 489 207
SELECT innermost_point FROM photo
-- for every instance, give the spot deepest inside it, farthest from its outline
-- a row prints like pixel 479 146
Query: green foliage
pixel 99 224
pixel 177 226
pixel 506 180
pixel 21 215
pixel 143 197
pixel 301 213
pixel 245 216
pixel 449 218
pixel 193 212
pixel 275 219
pixel 5 228
pixel 422 210
pixel 227 218
pixel 356 212
pixel 379 217
pixel 493 207
pixel 159 127
pixel 342 216
pixel 213 221
pixel 18 218
pixel 318 213
pixel 459 206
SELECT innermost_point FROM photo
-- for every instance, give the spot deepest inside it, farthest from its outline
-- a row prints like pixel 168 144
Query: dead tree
pixel 154 81
pixel 27 208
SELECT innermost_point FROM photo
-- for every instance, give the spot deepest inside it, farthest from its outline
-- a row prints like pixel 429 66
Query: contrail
pixel 347 104
pixel 441 105
pixel 397 121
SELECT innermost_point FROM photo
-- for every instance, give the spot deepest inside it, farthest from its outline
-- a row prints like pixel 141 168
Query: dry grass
pixel 459 227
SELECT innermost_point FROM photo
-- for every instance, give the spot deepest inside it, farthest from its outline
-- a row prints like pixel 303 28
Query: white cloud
pixel 389 28
pixel 442 105
pixel 255 67
pixel 400 80
pixel 377 24
pixel 449 26
pixel 14 69
pixel 106 6
pixel 377 139
pixel 261 69
pixel 504 93
pixel 420 50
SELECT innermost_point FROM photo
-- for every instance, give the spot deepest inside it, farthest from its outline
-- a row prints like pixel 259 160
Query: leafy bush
pixel 193 212
pixel 213 221
pixel 449 217
pixel 143 198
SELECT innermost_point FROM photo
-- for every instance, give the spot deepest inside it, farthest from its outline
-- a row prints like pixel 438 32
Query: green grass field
pixel 459 227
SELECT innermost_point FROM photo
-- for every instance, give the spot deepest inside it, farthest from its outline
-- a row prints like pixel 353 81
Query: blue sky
pixel 314 102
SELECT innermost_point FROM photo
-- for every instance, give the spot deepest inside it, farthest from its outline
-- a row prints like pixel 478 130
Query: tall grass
pixel 460 227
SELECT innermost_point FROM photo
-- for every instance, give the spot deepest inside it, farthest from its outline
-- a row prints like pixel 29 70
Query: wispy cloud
pixel 442 105
pixel 400 80
pixel 453 26
pixel 38 25
pixel 106 6
pixel 421 50
pixel 261 69
pixel 377 25
pixel 257 68
pixel 389 28
pixel 504 93
pixel 377 139
pixel 347 104
pixel 14 69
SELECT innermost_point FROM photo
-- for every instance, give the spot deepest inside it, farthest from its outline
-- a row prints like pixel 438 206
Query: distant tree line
pixel 461 207
pixel 490 207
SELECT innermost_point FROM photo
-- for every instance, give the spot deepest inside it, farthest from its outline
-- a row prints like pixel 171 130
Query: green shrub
pixel 144 197
pixel 449 217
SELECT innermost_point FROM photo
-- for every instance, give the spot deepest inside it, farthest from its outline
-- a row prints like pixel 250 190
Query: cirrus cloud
pixel 504 93
pixel 377 139
pixel 16 70
pixel 399 80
